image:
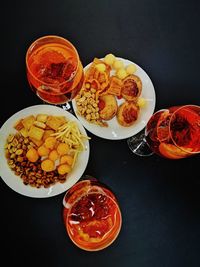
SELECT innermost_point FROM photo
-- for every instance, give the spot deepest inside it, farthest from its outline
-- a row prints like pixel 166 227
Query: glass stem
pixel 139 146
pixel 66 107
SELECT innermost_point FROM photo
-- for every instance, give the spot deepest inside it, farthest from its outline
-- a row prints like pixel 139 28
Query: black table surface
pixel 159 198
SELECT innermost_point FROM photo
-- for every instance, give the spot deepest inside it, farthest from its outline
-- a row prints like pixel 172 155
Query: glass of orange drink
pixel 54 69
pixel 91 214
pixel 172 133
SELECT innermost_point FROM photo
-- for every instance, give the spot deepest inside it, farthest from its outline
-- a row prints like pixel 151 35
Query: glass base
pixel 66 106
pixel 139 146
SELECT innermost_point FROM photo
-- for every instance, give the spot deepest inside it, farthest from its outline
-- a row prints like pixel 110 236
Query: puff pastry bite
pixel 107 106
pixel 127 114
pixel 131 88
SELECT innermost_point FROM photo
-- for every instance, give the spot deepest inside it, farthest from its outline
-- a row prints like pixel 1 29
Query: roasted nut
pixel 10 138
pixel 24 147
pixel 21 139
pixel 12 156
pixel 38 175
pixel 26 141
pixel 19 146
pixel 88 111
pixel 12 166
pixel 20 159
pixel 19 152
pixel 88 117
pixel 15 142
pixel 9 146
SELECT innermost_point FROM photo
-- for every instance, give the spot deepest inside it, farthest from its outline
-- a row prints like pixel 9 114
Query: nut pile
pixel 31 173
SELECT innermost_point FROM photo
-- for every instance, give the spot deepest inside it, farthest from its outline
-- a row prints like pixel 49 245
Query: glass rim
pixel 58 37
pixel 156 112
pixel 170 134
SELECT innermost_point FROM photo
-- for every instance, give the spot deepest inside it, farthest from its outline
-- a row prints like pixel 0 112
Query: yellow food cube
pixel 39 124
pixel 130 69
pixel 118 64
pixel 54 122
pixel 101 67
pixel 109 59
pixel 121 74
pixel 141 102
pixel 28 122
pixel 36 133
pixel 24 132
pixel 42 117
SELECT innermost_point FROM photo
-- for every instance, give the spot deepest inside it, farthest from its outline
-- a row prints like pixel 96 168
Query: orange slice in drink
pixel 172 152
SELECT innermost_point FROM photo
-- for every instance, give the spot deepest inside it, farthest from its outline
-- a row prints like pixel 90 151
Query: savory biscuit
pixel 131 88
pixel 108 107
pixel 127 114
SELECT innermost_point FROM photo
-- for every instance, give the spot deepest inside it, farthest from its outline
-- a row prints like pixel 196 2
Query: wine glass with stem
pixel 172 133
pixel 54 70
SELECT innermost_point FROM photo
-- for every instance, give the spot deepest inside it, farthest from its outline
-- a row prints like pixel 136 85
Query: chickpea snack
pixel 44 151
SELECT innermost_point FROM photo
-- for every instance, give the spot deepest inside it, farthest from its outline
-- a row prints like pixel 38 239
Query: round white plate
pixel 115 131
pixel 15 182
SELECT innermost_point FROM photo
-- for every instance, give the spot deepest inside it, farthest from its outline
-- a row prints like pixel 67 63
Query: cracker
pixel 36 133
pixel 42 117
pixel 28 122
pixel 54 122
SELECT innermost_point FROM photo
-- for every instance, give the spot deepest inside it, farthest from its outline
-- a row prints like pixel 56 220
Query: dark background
pixel 159 198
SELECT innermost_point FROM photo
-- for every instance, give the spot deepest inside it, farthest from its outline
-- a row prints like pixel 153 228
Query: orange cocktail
pixel 92 215
pixel 54 70
pixel 175 132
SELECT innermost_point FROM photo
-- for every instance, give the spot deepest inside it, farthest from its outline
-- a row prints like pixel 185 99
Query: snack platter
pixel 115 131
pixel 14 181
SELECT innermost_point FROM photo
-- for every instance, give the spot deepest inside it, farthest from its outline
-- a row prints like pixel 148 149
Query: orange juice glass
pixel 54 69
pixel 91 214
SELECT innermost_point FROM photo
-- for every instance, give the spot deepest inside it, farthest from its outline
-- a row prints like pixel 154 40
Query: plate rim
pixel 114 138
pixel 29 191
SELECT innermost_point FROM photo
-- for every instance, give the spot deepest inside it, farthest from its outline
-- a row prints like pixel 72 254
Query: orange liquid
pixel 175 135
pixel 94 219
pixel 54 73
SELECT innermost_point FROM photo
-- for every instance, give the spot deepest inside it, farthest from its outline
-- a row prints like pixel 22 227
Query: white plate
pixel 115 131
pixel 15 182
